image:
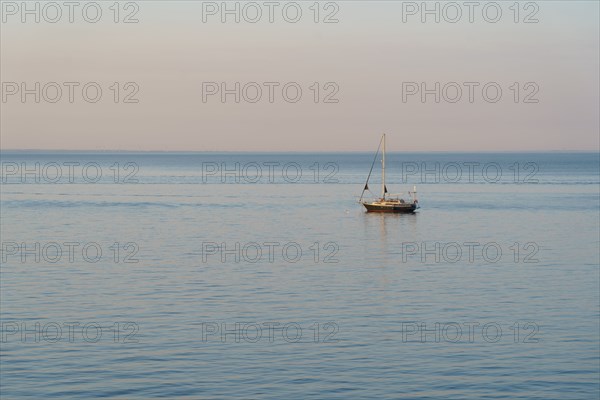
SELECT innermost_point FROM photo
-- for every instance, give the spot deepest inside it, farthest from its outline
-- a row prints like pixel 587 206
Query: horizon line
pixel 291 151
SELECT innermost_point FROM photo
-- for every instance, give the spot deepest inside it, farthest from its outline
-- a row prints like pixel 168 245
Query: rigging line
pixel 372 165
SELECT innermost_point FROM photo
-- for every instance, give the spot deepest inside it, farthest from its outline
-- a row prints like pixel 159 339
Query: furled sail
pixel 374 159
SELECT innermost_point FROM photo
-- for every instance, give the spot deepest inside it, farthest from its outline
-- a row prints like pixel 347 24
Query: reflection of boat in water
pixel 388 202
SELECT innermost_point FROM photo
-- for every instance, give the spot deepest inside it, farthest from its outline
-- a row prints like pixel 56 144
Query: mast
pixel 371 170
pixel 383 170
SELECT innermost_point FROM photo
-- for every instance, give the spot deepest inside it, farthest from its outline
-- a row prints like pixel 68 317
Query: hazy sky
pixel 372 61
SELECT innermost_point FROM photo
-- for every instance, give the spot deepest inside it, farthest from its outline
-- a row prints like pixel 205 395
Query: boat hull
pixel 391 208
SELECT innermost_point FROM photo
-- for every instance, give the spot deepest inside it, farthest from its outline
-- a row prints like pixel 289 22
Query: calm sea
pixel 209 275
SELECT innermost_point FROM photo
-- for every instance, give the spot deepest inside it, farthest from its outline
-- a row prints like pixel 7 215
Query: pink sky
pixel 367 61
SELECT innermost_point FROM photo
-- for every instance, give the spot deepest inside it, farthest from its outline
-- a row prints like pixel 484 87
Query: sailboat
pixel 388 202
